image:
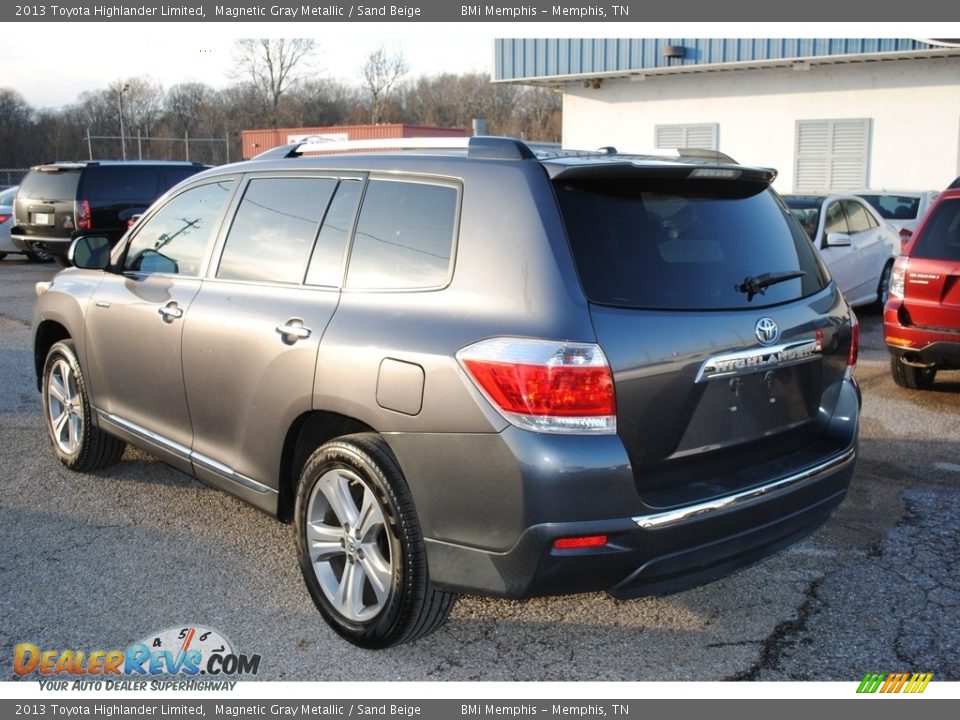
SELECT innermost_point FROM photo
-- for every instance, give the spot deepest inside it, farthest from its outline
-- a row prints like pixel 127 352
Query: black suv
pixel 59 201
pixel 476 370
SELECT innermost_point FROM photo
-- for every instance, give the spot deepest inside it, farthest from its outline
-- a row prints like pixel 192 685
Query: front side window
pixel 404 236
pixel 836 221
pixel 175 239
pixel 273 231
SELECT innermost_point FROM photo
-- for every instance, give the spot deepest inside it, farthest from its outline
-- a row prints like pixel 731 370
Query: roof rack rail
pixel 479 146
pixel 705 154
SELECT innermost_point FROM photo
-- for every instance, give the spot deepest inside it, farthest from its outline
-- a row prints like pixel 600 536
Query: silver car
pixel 469 370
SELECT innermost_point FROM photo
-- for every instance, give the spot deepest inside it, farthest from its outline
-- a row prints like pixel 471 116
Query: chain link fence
pixel 11 176
pixel 213 151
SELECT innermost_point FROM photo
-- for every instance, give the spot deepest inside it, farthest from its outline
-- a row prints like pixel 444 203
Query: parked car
pixel 902 209
pixel 57 202
pixel 921 321
pixel 857 244
pixel 469 370
pixel 6 222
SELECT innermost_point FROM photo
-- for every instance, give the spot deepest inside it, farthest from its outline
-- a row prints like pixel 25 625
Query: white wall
pixel 914 106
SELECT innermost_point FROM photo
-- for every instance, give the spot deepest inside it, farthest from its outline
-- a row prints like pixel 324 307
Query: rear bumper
pixel 922 346
pixel 555 491
pixel 58 246
pixel 654 553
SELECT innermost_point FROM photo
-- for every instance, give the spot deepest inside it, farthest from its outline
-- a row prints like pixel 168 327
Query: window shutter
pixel 670 137
pixel 831 155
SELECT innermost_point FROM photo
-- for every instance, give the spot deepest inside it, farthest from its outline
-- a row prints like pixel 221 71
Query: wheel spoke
pixel 56 389
pixel 324 541
pixel 73 431
pixel 350 595
pixel 377 570
pixel 58 426
pixel 370 518
pixel 336 489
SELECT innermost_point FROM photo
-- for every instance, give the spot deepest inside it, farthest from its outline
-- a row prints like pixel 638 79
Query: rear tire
pixel 908 376
pixel 883 287
pixel 2 255
pixel 38 256
pixel 360 546
pixel 76 442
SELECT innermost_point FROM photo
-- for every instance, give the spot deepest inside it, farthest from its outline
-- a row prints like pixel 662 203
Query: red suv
pixel 921 320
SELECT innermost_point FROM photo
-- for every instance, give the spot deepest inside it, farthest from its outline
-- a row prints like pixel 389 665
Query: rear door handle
pixel 293 330
pixel 170 312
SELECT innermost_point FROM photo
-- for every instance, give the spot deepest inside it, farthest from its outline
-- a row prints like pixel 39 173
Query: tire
pixel 3 255
pixel 360 547
pixel 76 441
pixel 38 256
pixel 883 287
pixel 908 376
pixel 62 261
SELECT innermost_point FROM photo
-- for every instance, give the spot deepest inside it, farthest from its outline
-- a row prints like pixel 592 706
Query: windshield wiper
pixel 758 284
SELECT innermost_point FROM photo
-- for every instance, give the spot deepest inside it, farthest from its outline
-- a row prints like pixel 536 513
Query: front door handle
pixel 293 330
pixel 170 312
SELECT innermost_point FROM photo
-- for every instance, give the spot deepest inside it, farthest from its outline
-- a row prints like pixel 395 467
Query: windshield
pixel 647 244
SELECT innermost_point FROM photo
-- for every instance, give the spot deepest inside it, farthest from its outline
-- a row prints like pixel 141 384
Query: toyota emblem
pixel 767 331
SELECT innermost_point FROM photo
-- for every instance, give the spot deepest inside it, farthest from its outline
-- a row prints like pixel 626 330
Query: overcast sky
pixel 50 64
pixel 50 67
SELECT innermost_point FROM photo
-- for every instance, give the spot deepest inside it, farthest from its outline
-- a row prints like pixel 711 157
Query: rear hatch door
pixel 45 203
pixel 719 321
pixel 932 280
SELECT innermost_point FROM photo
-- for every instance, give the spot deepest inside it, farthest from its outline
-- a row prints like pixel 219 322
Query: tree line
pixel 275 83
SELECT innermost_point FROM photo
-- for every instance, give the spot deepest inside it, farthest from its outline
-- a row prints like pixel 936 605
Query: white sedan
pixel 857 245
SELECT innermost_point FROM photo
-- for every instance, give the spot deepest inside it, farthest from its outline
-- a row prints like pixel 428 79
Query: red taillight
pixel 905 235
pixel 543 385
pixel 4 217
pixel 854 341
pixel 84 221
pixel 578 543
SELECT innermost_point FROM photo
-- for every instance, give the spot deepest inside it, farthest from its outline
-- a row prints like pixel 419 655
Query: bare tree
pixel 381 75
pixel 185 103
pixel 272 66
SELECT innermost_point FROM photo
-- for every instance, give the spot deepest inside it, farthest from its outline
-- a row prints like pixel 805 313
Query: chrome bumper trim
pixel 745 497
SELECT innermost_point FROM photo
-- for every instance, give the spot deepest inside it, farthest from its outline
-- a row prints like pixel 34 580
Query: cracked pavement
pixel 98 561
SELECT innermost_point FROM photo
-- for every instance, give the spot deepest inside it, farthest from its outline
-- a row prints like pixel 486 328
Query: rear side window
pixel 404 236
pixel 274 229
pixel 49 186
pixel 940 239
pixel 644 244
pixel 117 183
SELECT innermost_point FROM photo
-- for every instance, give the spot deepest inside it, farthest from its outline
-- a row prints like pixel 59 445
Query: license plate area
pixel 41 218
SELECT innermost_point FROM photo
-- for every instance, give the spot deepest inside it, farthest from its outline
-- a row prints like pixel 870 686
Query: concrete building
pixel 828 114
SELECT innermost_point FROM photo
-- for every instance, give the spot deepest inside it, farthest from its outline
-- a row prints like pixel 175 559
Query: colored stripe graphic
pixel 895 682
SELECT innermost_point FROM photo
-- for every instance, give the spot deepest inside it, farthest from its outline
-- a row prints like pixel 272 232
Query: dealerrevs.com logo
pixel 202 656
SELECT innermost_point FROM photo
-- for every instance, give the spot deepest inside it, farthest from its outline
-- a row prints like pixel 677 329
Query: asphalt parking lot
pixel 100 561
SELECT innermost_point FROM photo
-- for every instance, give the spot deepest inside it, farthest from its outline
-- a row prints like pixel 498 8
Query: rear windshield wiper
pixel 758 284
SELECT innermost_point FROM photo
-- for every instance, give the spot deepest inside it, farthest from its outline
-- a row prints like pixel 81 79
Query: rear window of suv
pixel 940 239
pixel 50 185
pixel 684 245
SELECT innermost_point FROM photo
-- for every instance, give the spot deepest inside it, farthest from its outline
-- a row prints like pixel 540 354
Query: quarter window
pixel 404 236
pixel 274 229
pixel 175 239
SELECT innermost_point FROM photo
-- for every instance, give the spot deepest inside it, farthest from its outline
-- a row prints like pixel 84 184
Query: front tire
pixel 360 546
pixel 908 376
pixel 76 442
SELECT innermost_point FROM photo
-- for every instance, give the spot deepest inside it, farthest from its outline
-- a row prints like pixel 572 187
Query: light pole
pixel 123 139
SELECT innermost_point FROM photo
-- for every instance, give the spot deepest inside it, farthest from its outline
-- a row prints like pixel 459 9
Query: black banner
pixel 559 11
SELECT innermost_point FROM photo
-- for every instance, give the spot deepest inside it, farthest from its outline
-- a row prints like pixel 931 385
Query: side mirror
pixel 838 240
pixel 90 252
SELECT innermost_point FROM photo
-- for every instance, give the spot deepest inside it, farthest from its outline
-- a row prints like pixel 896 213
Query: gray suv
pixel 469 370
